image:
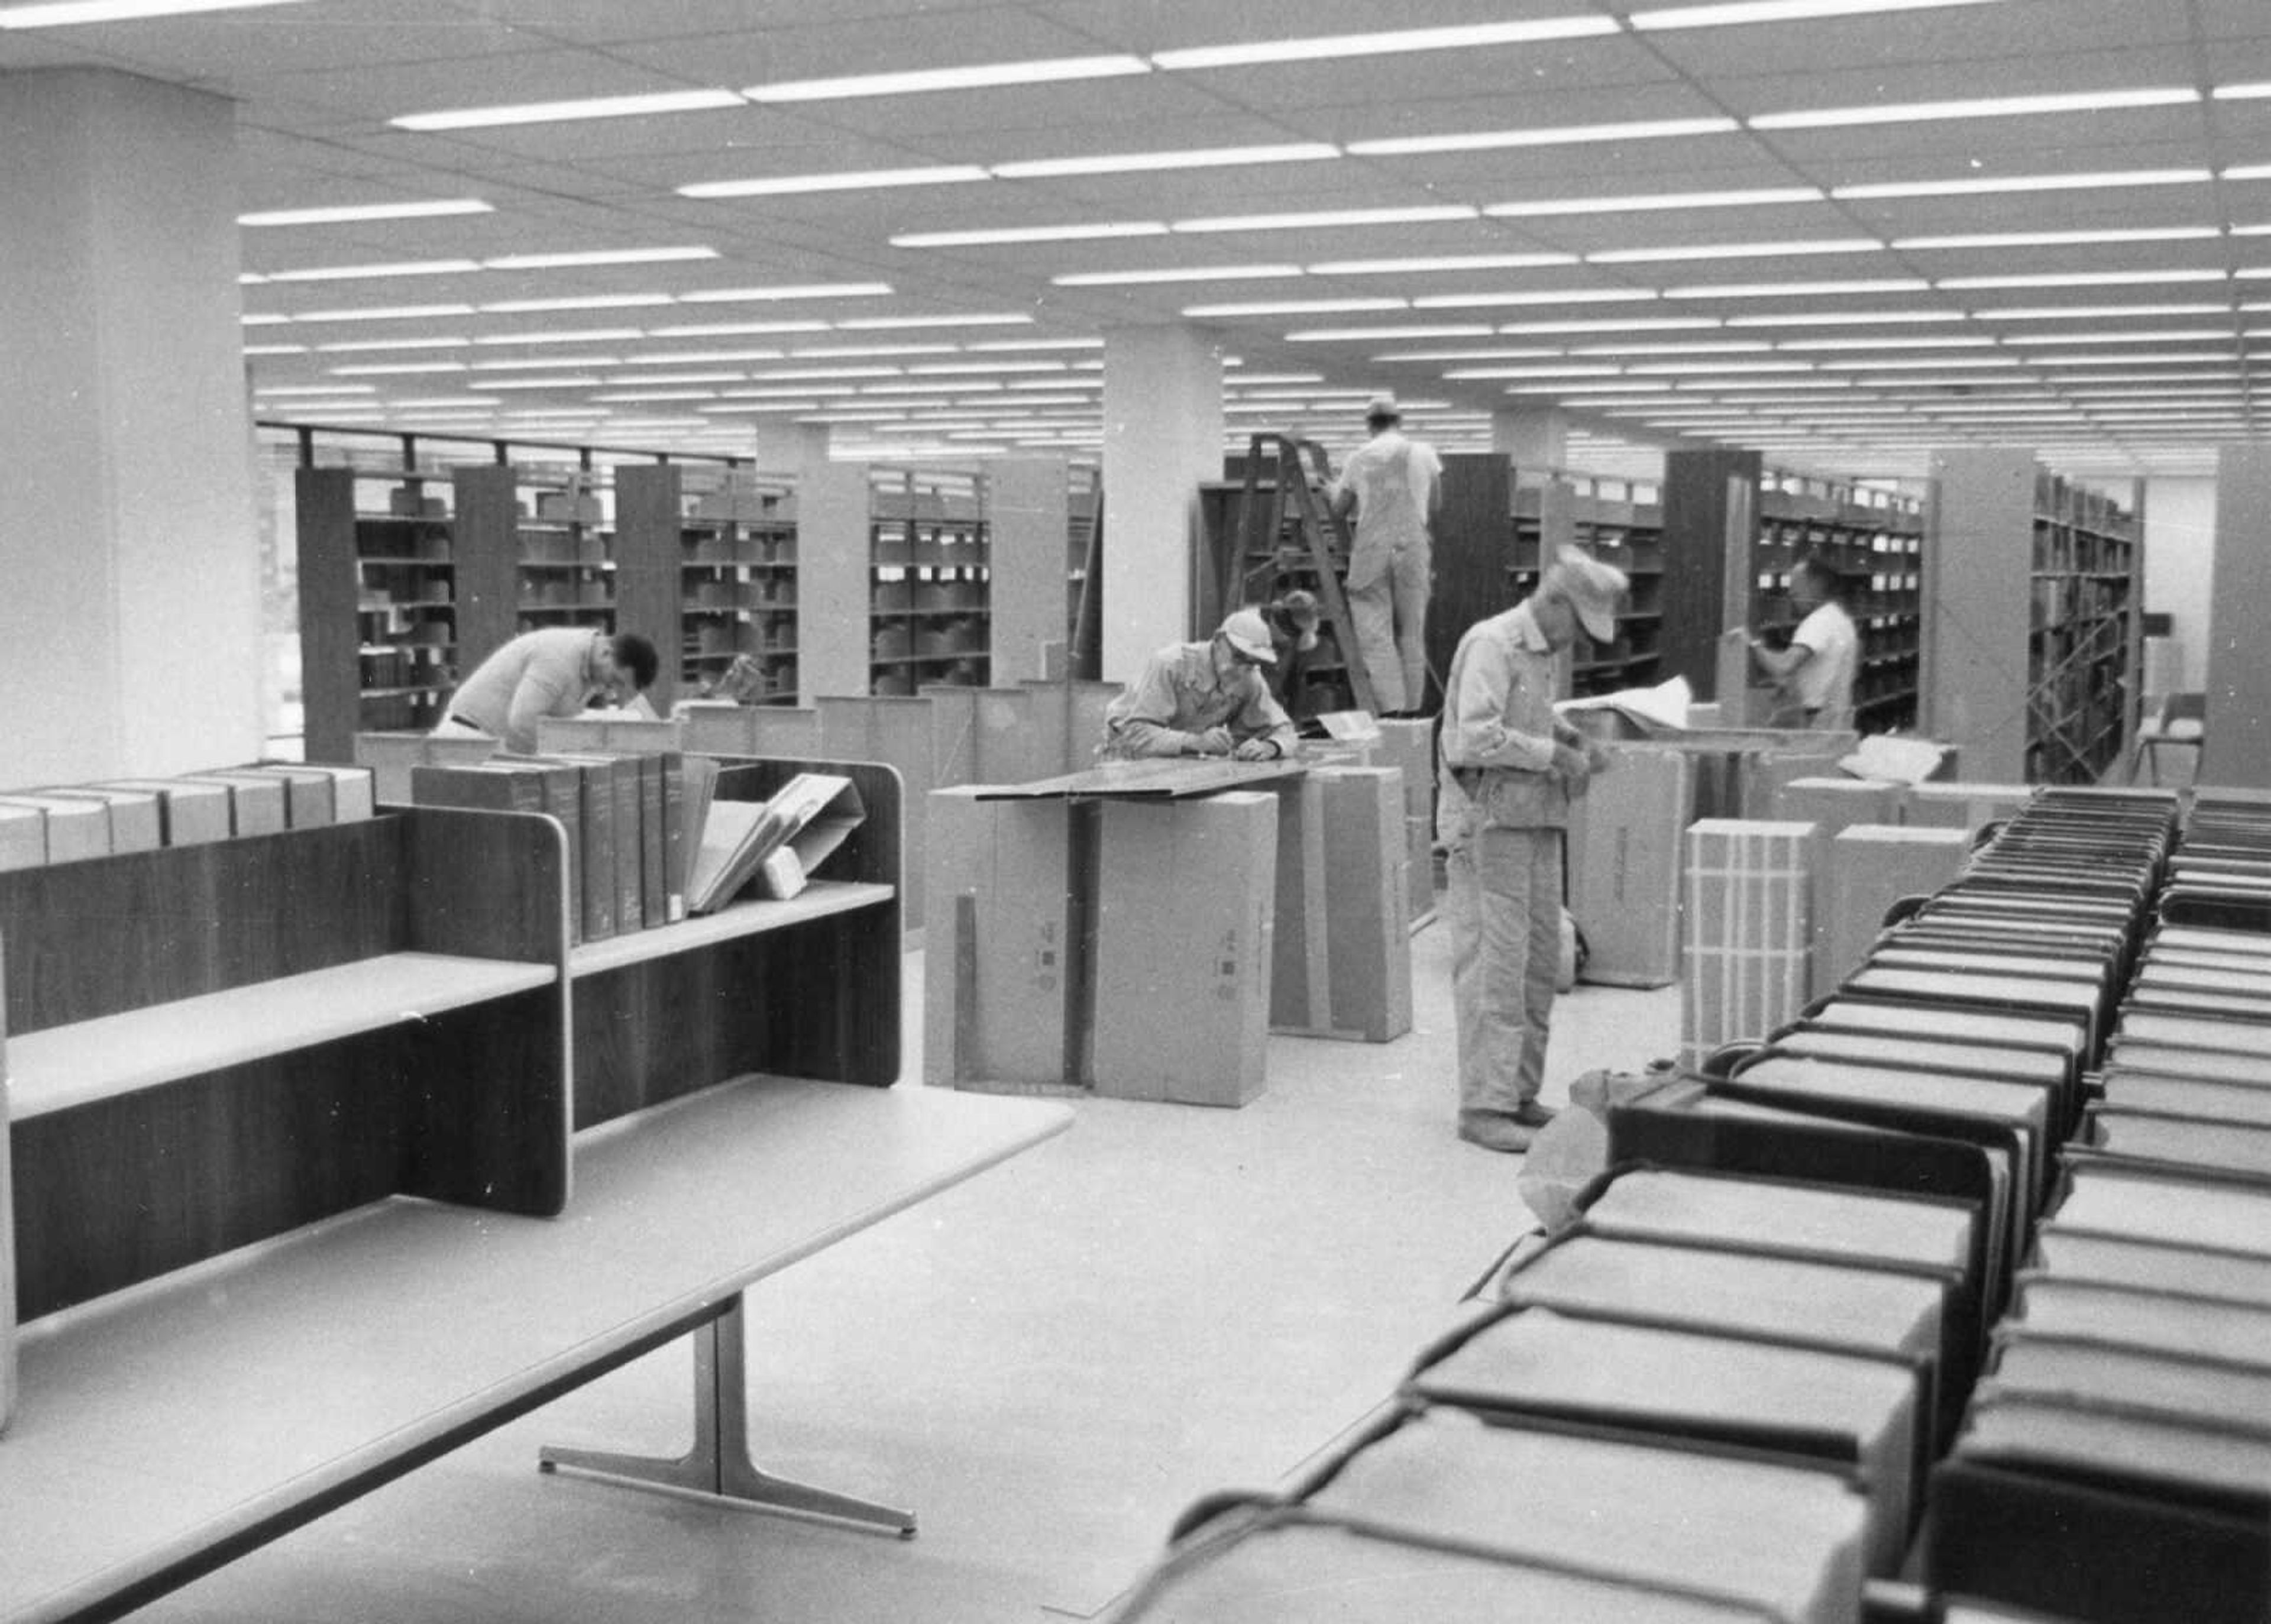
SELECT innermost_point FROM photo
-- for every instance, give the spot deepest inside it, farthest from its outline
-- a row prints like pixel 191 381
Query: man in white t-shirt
pixel 1816 670
pixel 1395 484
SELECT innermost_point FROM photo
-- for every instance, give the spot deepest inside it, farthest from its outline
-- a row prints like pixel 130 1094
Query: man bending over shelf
pixel 1203 699
pixel 557 672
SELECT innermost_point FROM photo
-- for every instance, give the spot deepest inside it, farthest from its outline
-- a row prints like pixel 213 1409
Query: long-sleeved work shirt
pixel 1177 697
pixel 1496 749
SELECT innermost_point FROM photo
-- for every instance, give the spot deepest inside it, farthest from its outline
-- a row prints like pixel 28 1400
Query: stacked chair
pixel 1949 1301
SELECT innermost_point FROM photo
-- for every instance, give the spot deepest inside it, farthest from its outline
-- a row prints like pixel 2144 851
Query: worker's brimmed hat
pixel 1250 634
pixel 1298 611
pixel 1592 588
pixel 1382 409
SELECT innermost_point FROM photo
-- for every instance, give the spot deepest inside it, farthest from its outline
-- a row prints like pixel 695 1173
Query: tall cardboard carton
pixel 1748 937
pixel 1367 904
pixel 995 1007
pixel 1184 909
pixel 1624 860
pixel 1871 867
pixel 1832 804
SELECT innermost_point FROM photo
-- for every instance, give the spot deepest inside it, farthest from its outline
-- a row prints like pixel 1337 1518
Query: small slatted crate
pixel 1744 970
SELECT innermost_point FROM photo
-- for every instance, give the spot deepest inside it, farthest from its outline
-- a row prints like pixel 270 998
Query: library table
pixel 169 1428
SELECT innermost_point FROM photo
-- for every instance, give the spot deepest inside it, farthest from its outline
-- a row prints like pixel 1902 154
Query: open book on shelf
pixel 775 843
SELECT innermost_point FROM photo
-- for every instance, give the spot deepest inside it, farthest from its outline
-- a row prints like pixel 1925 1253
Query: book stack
pixel 68 823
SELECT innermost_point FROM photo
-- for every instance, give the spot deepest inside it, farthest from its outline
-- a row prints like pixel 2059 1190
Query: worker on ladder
pixel 1395 484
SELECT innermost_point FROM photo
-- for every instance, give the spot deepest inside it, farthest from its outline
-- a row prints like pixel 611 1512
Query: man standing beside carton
pixel 1507 768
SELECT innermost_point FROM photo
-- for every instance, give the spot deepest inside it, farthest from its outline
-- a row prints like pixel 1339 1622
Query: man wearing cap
pixel 1507 767
pixel 1203 699
pixel 1395 484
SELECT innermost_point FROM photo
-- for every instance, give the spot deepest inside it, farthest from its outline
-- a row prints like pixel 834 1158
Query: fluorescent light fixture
pixel 779 393
pixel 373 369
pixel 699 358
pixel 1340 46
pixel 787 290
pixel 2165 358
pixel 715 330
pixel 1511 352
pixel 597 257
pixel 1757 195
pixel 890 323
pixel 2165 335
pixel 1798 290
pixel 1553 295
pixel 557 112
pixel 931 367
pixel 2021 182
pixel 1887 344
pixel 806 374
pixel 979 76
pixel 2096 312
pixel 581 301
pixel 859 352
pixel 563 335
pixel 842 180
pixel 1988 106
pixel 1003 234
pixel 564 381
pixel 381 313
pixel 1190 158
pixel 539 363
pixel 1716 368
pixel 1845 318
pixel 1036 343
pixel 1922 363
pixel 1181 273
pixel 431 402
pixel 346 345
pixel 1319 220
pixel 638 380
pixel 1636 323
pixel 634 396
pixel 348 273
pixel 2254 91
pixel 1572 371
pixel 2058 239
pixel 1292 307
pixel 1372 335
pixel 1423 265
pixel 1734 348
pixel 266 390
pixel 2081 278
pixel 347 213
pixel 1735 250
pixel 275 349
pixel 750 407
pixel 1495 140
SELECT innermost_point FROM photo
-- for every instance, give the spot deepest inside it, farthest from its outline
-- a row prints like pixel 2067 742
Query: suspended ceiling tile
pixel 1965 33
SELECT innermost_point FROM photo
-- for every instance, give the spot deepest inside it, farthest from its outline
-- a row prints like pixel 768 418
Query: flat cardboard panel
pixel 1625 851
pixel 1300 995
pixel 897 731
pixel 1011 857
pixel 1367 926
pixel 1871 866
pixel 640 735
pixel 1832 803
pixel 1184 911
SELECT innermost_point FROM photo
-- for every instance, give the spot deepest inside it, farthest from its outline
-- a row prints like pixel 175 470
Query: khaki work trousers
pixel 1390 613
pixel 1504 909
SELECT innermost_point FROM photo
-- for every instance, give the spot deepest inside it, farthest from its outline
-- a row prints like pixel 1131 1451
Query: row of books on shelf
pixel 69 822
pixel 649 843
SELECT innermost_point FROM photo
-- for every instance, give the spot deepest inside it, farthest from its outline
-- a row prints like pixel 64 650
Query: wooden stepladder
pixel 1283 540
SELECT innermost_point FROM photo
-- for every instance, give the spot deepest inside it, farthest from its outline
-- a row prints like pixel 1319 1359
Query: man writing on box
pixel 1508 768
pixel 1203 699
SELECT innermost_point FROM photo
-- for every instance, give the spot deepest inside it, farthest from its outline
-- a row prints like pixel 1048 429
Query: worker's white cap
pixel 1382 409
pixel 1592 588
pixel 1249 635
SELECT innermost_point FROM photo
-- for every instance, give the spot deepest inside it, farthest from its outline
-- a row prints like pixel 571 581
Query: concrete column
pixel 1532 437
pixel 131 603
pixel 2237 751
pixel 784 445
pixel 1163 426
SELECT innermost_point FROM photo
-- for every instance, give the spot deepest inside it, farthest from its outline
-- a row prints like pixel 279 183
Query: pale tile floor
pixel 1048 1364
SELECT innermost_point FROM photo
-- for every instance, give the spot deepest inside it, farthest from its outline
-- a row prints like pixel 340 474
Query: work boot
pixel 1530 1115
pixel 1495 1130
